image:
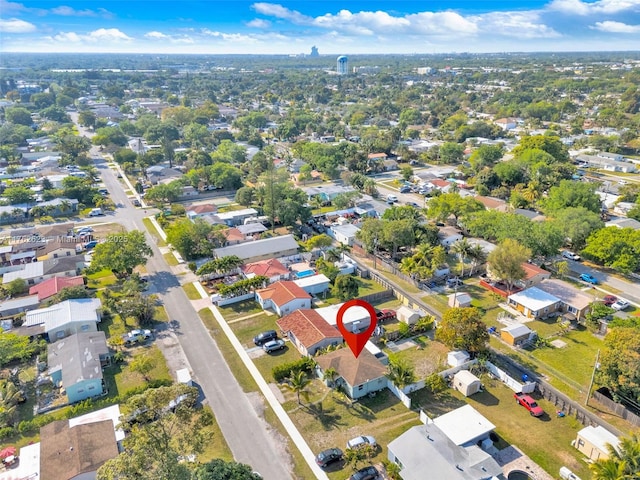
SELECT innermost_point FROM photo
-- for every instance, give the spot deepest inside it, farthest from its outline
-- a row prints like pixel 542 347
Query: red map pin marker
pixel 357 341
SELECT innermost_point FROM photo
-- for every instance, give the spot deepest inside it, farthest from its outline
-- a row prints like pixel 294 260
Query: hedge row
pixel 284 371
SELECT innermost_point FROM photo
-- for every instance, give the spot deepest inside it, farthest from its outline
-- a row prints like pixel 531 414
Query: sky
pixel 293 27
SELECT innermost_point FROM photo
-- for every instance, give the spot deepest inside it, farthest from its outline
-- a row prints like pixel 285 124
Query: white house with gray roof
pixel 66 318
pixel 274 247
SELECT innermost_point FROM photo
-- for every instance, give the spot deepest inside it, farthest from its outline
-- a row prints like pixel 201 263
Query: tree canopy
pixel 121 252
pixel 463 329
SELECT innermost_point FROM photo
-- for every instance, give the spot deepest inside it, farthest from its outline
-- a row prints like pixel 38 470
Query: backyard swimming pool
pixel 305 273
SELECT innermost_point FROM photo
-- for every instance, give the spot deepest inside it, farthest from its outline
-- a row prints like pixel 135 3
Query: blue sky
pixel 292 27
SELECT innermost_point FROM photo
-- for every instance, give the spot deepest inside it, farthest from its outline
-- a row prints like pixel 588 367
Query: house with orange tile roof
pixel 272 268
pixel 200 211
pixel 308 331
pixel 533 275
pixel 283 297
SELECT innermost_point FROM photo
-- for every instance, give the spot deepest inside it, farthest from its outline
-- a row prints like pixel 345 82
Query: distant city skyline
pixel 335 28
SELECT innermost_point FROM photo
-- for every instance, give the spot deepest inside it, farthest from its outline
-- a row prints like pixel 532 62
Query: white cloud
pixel 440 23
pixel 66 11
pixel 578 7
pixel 259 23
pixel 278 11
pixel 103 36
pixel 615 27
pixel 15 25
pixel 525 24
pixel 155 35
pixel 231 37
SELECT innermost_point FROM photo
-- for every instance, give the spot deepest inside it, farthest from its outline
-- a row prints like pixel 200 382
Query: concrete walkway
pixel 266 390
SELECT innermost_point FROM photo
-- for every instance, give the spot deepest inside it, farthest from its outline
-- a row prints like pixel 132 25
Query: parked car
pixel 273 345
pixel 413 204
pixel 91 244
pixel 385 314
pixel 96 212
pixel 366 473
pixel 265 337
pixel 136 202
pixel 571 255
pixel 609 300
pixel 135 336
pixel 361 441
pixel 328 456
pixel 620 304
pixel 391 199
pixel 405 189
pixel 454 282
pixel 529 403
pixel 586 277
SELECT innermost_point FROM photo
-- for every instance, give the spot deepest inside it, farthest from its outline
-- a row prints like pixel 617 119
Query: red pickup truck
pixel 529 403
pixel 385 314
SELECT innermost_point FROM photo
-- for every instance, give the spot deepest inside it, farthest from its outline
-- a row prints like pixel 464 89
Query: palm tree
pixel 401 373
pixel 623 462
pixel 10 396
pixel 461 248
pixel 478 256
pixel 298 384
pixel 329 376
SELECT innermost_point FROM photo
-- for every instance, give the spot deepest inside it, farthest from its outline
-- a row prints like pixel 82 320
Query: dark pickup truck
pixel 529 403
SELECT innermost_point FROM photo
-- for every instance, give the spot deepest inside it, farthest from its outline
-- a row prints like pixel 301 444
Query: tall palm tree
pixel 623 462
pixel 298 384
pixel 461 248
pixel 478 256
pixel 10 396
pixel 329 376
pixel 401 373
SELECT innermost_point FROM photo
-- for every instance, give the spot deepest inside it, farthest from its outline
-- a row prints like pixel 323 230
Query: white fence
pixel 513 384
pixel 220 301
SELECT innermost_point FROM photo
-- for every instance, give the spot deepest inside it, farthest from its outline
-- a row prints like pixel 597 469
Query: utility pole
pixel 593 376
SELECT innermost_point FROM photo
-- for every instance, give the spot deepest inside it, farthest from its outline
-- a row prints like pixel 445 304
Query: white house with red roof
pixel 308 331
pixel 283 297
pixel 273 269
pixel 440 184
pixel 200 211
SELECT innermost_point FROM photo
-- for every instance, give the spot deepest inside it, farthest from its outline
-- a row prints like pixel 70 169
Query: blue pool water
pixel 305 273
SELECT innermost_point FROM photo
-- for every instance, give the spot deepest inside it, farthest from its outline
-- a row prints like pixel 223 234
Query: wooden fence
pixel 617 408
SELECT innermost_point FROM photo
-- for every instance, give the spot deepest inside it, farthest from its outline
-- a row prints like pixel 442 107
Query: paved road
pixel 246 433
pixel 631 290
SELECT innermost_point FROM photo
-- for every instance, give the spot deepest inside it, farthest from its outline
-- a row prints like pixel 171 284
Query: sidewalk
pixel 269 395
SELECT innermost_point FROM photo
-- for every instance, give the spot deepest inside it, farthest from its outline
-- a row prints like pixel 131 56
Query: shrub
pixel 7 432
pixel 281 372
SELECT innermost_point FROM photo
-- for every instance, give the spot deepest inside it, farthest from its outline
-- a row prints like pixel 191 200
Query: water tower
pixel 342 66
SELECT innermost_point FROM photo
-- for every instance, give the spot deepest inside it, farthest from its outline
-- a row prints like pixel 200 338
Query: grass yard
pixel 248 328
pixel 191 291
pixel 101 279
pixel 367 286
pixel 266 361
pixel 240 309
pixel 120 379
pixel 217 447
pixel 332 419
pixel 427 357
pixel 547 440
pixel 171 260
pixel 154 232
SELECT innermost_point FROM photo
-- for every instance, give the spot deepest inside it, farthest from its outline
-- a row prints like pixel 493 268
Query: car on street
pixel 273 345
pixel 361 441
pixel 413 204
pixel 264 337
pixel 328 456
pixel 405 189
pixel 587 277
pixel 136 202
pixel 391 199
pixel 609 300
pixel 620 304
pixel 91 244
pixel 366 473
pixel 571 255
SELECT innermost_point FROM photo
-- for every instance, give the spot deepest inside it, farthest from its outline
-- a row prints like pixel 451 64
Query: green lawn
pixel 329 419
pixel 171 260
pixel 217 447
pixel 246 329
pixel 367 286
pixel 120 379
pixel 154 232
pixel 266 361
pixel 240 309
pixel 101 279
pixel 191 291
pixel 427 357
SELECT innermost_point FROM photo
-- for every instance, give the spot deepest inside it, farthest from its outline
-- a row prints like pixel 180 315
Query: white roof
pixel 29 465
pixel 463 425
pixel 110 413
pixel 406 312
pixel 312 280
pixel 466 377
pixel 534 299
pixel 76 310
pixel 245 212
pixel 348 229
pixel 599 437
pixel 30 270
pixel 462 297
pixel 353 314
pixel 259 248
pixel 517 330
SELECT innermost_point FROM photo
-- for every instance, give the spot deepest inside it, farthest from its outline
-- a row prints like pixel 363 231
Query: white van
pixel 391 199
pixel 96 212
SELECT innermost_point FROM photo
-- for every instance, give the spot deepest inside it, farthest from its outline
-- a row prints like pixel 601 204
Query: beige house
pixel 594 442
pixel 575 302
pixel 516 334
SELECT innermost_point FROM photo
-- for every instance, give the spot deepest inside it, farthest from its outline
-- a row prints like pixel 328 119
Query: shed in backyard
pixel 466 383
